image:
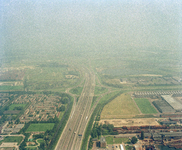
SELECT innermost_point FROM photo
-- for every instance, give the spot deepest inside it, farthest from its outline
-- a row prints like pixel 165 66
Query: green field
pixel 15 106
pixel 40 141
pixel 145 106
pixel 7 87
pixel 93 100
pixel 120 140
pixel 13 139
pixel 109 139
pixel 51 76
pixel 100 90
pixel 112 140
pixel 120 107
pixel 76 90
pixel 36 127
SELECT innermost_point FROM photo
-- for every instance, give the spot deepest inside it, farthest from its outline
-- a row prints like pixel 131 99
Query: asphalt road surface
pixel 71 137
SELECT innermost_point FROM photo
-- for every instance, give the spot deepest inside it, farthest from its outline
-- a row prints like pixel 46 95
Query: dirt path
pixel 130 122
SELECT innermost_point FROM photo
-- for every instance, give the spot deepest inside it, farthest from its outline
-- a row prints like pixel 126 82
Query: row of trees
pixel 98 130
pixel 105 129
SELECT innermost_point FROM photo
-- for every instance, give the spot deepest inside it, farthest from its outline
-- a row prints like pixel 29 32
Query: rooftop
pixel 174 103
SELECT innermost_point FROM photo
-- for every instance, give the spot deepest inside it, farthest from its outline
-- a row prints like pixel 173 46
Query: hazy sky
pixel 86 26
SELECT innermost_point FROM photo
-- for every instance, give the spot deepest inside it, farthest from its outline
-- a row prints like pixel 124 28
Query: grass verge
pixel 100 90
pixel 76 90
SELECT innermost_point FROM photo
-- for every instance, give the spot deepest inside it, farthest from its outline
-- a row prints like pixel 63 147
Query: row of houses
pixel 14 129
pixel 42 108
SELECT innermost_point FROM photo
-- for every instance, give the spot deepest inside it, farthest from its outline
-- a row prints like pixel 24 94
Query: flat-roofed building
pixel 169 122
pixel 121 147
pixel 171 101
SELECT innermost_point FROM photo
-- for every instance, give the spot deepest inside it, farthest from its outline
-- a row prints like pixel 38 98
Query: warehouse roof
pixel 174 103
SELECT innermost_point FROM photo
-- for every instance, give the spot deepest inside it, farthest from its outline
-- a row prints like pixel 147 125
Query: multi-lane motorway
pixel 72 135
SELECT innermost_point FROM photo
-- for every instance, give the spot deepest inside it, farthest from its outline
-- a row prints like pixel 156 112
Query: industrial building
pixel 171 101
pixel 163 135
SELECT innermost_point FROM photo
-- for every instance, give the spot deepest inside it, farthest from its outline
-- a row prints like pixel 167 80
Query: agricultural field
pixel 12 75
pixel 51 76
pixel 17 139
pixel 143 80
pixel 16 106
pixel 100 90
pixel 38 127
pixel 121 107
pixel 131 72
pixel 145 106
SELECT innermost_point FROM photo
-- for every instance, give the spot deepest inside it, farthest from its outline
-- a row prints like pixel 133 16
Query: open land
pixel 40 127
pixel 12 139
pixel 121 107
pixel 112 140
pixel 100 90
pixel 14 106
pixel 76 90
pixel 130 122
pixel 145 106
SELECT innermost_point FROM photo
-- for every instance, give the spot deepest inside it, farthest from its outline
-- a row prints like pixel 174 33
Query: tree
pixel 90 143
pixel 99 130
pixel 42 146
pixel 17 121
pixel 94 133
pixel 64 100
pixel 142 135
pixel 110 127
pixel 134 140
pixel 62 108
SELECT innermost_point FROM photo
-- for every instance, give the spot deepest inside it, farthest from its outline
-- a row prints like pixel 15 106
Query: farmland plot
pixel 145 106
pixel 121 107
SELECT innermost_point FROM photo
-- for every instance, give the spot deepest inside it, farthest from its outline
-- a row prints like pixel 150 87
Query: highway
pixel 71 137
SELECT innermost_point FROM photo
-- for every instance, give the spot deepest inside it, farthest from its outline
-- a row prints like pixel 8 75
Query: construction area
pixel 130 122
